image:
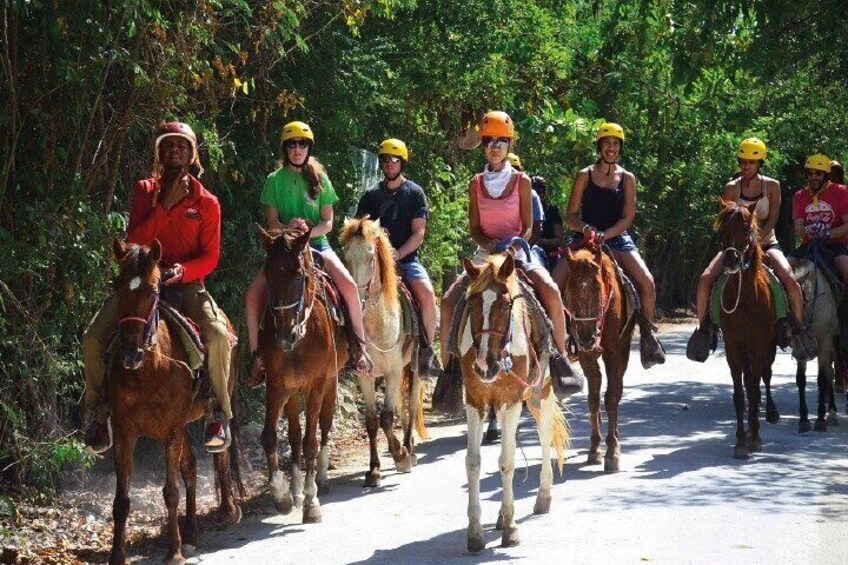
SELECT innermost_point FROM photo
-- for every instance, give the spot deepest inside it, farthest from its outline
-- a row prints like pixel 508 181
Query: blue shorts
pixel 621 242
pixel 541 256
pixel 412 270
pixel 322 247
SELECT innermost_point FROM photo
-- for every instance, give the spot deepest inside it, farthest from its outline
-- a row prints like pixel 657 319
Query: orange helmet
pixel 497 124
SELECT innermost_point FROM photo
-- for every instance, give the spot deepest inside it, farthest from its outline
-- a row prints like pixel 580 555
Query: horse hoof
pixel 372 478
pixel 820 426
pixel 611 465
pixel 593 459
pixel 543 505
pixel 509 538
pixel 740 452
pixel 323 489
pixel 492 436
pixel 755 445
pixel 189 550
pixel 312 514
pixel 175 560
pixel 404 465
pixel 285 504
pixel 832 419
pixel 476 543
pixel 804 427
pixel 772 416
pixel 414 459
pixel 232 515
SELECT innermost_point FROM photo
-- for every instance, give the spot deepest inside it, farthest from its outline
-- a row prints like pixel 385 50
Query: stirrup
pixel 564 379
pixel 701 343
pixel 651 351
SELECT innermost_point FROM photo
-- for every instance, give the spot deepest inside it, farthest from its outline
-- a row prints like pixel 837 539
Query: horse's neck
pixel 382 318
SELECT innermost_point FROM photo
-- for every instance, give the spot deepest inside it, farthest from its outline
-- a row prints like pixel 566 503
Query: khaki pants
pixel 198 305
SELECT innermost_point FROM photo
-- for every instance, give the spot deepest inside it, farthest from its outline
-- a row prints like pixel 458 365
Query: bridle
pixel 740 267
pixel 302 309
pixel 599 319
pixel 151 322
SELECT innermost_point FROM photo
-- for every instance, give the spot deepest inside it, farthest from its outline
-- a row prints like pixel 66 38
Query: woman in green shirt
pixel 297 193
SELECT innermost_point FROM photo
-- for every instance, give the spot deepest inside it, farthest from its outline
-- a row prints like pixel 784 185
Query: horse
pixel 747 303
pixel 368 255
pixel 151 392
pixel 599 327
pixel 820 316
pixel 497 345
pixel 299 344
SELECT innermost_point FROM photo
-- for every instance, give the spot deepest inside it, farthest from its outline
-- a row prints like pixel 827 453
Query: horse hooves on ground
pixel 804 427
pixel 189 550
pixel 476 543
pixel 414 459
pixel 611 465
pixel 832 419
pixel 510 538
pixel 285 504
pixel 772 416
pixel 593 459
pixel 740 452
pixel 492 436
pixel 231 515
pixel 543 505
pixel 820 426
pixel 404 465
pixel 755 445
pixel 312 514
pixel 372 478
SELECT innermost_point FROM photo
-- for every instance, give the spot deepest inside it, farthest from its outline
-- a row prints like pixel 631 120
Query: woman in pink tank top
pixel 499 209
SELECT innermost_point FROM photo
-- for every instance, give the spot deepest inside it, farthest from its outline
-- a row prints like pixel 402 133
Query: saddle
pixel 410 311
pixel 781 306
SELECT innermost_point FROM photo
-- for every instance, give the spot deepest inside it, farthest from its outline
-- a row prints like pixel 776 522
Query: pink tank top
pixel 499 218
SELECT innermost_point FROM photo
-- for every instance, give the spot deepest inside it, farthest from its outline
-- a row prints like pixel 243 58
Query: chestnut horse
pixel 152 393
pixel 303 349
pixel 747 322
pixel 498 339
pixel 596 308
pixel 368 255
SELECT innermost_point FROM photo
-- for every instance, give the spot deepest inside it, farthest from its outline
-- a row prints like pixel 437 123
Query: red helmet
pixel 176 129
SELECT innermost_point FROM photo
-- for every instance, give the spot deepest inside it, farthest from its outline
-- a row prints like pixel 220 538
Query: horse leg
pixel 509 416
pixel 492 432
pixel 188 470
pixel 593 377
pixel 171 493
pixel 414 403
pixel 545 426
pixel 772 414
pixel 752 375
pixel 803 412
pixel 311 504
pixel 403 463
pixel 366 385
pixel 292 409
pixel 612 398
pixel 275 399
pixel 475 540
pixel 821 408
pixel 328 408
pixel 740 450
pixel 124 447
pixel 826 362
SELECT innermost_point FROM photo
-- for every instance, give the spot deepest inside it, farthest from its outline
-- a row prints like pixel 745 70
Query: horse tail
pixel 561 437
pixel 420 428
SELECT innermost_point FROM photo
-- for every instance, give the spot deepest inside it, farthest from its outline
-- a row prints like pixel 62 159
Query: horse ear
pixel 155 251
pixel 119 249
pixel 507 268
pixel 377 223
pixel 301 241
pixel 267 238
pixel 470 268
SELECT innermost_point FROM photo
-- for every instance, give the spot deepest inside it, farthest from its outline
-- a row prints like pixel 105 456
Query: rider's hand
pixel 299 225
pixel 395 254
pixel 600 237
pixel 178 271
pixel 176 191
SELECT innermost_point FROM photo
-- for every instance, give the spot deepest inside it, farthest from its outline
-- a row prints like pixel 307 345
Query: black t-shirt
pixel 552 218
pixel 396 209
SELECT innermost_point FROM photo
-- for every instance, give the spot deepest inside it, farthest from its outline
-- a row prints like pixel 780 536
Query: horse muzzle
pixel 731 261
pixel 132 357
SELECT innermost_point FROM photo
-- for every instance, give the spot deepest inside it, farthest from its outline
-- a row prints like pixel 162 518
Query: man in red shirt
pixel 176 209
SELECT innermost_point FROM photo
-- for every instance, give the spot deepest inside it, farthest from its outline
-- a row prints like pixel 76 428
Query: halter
pixel 302 313
pixel 151 322
pixel 743 266
pixel 603 307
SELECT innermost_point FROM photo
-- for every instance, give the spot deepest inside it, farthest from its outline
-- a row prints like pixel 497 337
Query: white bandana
pixel 497 181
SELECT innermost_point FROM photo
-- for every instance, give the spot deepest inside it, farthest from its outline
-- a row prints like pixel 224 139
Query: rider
pixel 603 205
pixel 538 212
pixel 175 208
pixel 752 188
pixel 401 207
pixel 550 239
pixel 499 210
pixel 297 193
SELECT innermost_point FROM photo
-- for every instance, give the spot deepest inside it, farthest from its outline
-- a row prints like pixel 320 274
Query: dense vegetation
pixel 84 84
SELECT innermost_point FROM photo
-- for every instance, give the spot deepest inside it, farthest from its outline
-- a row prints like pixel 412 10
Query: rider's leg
pixel 552 302
pixel 560 273
pixel 705 285
pixel 199 305
pixel 448 307
pixel 350 294
pixel 94 344
pixel 254 303
pixel 650 349
pixel 783 271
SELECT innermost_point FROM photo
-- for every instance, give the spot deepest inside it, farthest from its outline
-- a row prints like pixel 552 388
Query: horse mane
pixel 369 230
pixel 488 276
pixel 283 238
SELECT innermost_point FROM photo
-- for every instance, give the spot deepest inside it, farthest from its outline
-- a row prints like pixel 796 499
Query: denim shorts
pixel 527 263
pixel 621 242
pixel 412 270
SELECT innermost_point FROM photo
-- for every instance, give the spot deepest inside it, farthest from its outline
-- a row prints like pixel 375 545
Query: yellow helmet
pixel 297 130
pixel 610 129
pixel 394 147
pixel 514 160
pixel 753 149
pixel 818 162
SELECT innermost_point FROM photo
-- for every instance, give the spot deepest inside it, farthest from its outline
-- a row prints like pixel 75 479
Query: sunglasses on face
pixel 496 142
pixel 386 159
pixel 292 143
pixel 815 173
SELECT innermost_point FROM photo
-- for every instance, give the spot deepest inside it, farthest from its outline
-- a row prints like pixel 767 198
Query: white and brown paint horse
pixel 368 255
pixel 501 368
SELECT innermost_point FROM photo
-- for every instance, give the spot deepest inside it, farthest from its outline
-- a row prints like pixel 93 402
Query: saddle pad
pixel 781 305
pixel 331 294
pixel 409 311
pixel 189 335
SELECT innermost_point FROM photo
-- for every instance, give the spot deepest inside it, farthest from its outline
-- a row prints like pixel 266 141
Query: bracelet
pixel 586 226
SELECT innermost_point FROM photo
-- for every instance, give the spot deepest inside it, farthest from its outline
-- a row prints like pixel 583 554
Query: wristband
pixel 586 226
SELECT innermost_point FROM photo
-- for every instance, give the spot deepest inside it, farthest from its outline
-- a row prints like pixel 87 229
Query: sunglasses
pixel 385 159
pixel 292 143
pixel 496 142
pixel 815 173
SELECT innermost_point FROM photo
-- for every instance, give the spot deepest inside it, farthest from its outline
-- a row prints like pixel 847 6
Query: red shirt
pixel 829 205
pixel 190 233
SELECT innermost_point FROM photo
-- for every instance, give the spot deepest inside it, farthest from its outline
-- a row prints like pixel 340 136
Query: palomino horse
pixel 368 255
pixel 151 393
pixel 303 350
pixel 747 304
pixel 596 305
pixel 501 368
pixel 820 316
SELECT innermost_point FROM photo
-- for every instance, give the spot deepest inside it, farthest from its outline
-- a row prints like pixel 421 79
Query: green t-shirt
pixel 288 193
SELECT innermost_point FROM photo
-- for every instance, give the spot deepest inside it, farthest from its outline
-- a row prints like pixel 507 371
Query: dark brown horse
pixel 151 393
pixel 599 326
pixel 303 349
pixel 747 323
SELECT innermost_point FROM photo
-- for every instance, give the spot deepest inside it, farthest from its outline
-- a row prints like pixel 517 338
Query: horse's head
pixel 738 228
pixel 491 296
pixel 586 297
pixel 368 255
pixel 137 290
pixel 287 270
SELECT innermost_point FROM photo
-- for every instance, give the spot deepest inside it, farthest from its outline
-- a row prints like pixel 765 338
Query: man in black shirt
pixel 401 207
pixel 552 227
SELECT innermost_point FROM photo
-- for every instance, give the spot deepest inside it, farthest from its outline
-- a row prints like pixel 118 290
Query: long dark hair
pixel 313 171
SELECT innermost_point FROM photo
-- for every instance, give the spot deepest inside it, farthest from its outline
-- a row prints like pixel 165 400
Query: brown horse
pixel 151 393
pixel 598 324
pixel 501 367
pixel 747 322
pixel 368 255
pixel 303 349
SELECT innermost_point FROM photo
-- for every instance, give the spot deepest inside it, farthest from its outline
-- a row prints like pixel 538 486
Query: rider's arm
pixel 324 226
pixel 272 218
pixel 209 252
pixel 416 238
pixel 628 213
pixel 475 230
pixel 841 231
pixel 146 221
pixel 526 206
pixel 572 214
pixel 798 216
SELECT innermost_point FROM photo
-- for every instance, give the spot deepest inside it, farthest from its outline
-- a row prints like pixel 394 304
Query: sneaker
pixel 651 350
pixel 428 362
pixel 217 435
pixel 804 345
pixel 98 437
pixel 701 343
pixel 565 380
pixel 447 396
